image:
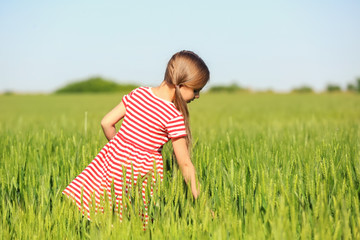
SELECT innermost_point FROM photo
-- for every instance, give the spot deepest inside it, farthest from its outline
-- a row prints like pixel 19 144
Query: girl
pixel 152 116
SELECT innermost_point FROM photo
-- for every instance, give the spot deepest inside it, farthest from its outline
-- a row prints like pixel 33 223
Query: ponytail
pixel 186 68
pixel 181 105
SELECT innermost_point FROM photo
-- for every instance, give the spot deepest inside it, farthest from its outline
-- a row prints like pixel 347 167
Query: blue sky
pixel 261 45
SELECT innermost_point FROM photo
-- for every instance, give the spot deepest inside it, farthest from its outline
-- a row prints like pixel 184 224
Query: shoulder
pixel 142 89
pixel 139 89
pixel 145 95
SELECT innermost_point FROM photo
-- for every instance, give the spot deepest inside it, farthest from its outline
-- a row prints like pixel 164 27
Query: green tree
pixel 354 87
pixel 95 85
pixel 303 89
pixel 227 88
pixel 333 88
pixel 351 87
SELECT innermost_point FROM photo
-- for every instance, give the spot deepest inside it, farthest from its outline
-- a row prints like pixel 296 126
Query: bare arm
pixel 111 118
pixel 185 164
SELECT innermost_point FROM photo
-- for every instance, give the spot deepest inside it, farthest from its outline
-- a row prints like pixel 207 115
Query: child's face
pixel 189 94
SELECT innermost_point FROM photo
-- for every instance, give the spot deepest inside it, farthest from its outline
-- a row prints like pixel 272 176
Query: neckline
pixel 153 94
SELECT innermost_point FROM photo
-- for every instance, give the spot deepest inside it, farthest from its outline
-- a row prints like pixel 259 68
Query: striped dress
pixel 149 122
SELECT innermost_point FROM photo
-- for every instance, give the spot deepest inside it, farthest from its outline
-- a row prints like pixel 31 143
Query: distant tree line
pixel 351 87
pixel 230 88
pixel 95 85
pixel 354 87
pixel 99 84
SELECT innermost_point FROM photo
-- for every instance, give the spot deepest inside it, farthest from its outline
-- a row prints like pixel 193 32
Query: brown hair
pixel 185 68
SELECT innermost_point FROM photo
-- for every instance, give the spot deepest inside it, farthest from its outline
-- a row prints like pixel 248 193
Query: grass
pixel 271 166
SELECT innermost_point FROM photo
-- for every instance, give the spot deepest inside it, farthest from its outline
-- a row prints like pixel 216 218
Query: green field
pixel 271 166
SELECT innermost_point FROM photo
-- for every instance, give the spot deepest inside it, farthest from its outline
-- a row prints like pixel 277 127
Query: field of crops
pixel 271 166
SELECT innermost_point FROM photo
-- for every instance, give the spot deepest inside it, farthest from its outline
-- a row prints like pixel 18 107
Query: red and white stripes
pixel 148 124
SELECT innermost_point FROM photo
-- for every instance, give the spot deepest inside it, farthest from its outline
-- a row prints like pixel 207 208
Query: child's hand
pixel 196 191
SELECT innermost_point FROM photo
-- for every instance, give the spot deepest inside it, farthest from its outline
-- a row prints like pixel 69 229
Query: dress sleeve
pixel 176 127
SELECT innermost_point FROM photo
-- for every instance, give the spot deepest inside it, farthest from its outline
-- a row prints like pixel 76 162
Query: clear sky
pixel 261 45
